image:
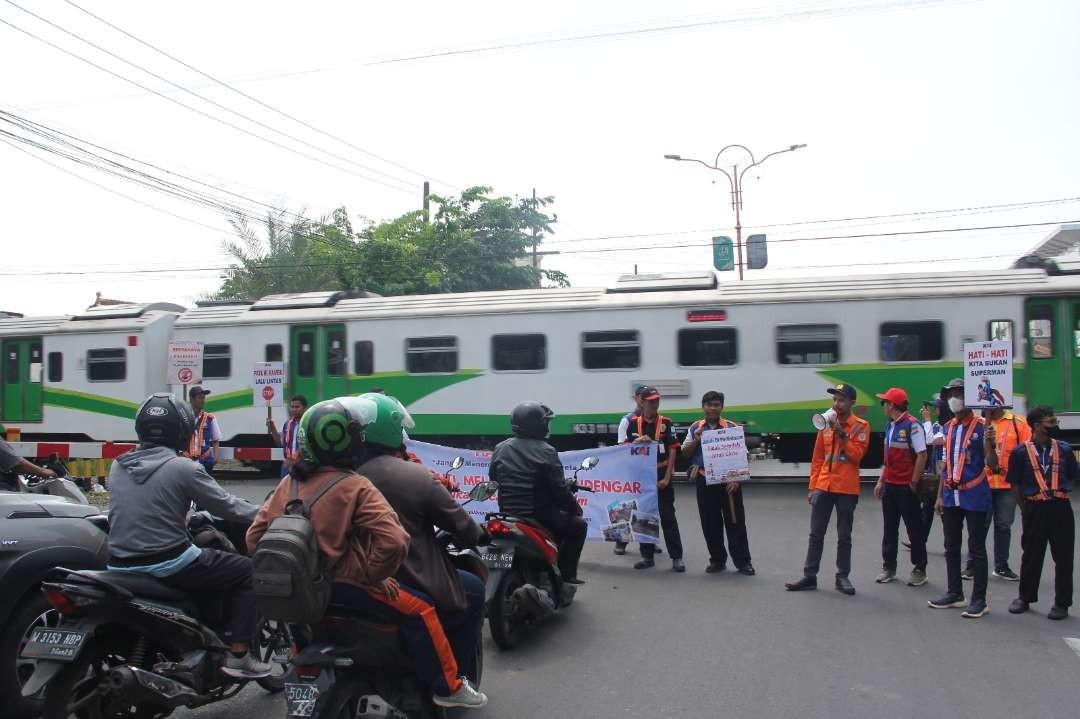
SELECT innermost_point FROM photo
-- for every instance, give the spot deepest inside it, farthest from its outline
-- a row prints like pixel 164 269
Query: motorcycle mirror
pixel 483 491
pixel 590 462
pixel 458 461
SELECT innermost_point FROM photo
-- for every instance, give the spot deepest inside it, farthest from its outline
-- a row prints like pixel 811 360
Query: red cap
pixel 894 395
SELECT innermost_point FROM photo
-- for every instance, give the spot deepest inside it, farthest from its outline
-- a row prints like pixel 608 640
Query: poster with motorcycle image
pixel 622 506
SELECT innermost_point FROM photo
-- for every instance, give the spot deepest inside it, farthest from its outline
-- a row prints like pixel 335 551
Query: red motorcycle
pixel 524 584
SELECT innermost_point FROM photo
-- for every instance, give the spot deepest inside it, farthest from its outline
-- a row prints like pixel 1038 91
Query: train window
pixel 337 359
pixel 274 353
pixel 364 357
pixel 106 365
pixel 518 353
pixel 56 367
pixel 808 344
pixel 912 341
pixel 707 347
pixel 611 349
pixel 305 356
pixel 217 362
pixel 1041 331
pixel 1000 331
pixel 11 365
pixel 426 355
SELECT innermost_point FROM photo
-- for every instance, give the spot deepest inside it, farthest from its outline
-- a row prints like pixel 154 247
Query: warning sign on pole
pixel 988 375
pixel 268 384
pixel 185 363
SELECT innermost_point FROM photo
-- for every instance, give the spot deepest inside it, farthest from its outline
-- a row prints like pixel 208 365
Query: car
pixel 38 533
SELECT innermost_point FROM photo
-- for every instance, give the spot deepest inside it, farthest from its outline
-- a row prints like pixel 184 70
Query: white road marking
pixel 1073 643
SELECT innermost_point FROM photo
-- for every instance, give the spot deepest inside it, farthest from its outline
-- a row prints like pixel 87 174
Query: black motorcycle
pixel 128 645
pixel 350 667
pixel 525 585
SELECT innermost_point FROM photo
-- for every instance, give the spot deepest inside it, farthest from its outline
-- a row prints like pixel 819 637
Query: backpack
pixel 291 580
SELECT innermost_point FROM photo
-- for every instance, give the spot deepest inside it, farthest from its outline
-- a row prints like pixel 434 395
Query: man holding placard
pixel 288 437
pixel 719 504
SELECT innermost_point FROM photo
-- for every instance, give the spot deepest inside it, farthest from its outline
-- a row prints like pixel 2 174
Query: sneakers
pixel 917 578
pixel 949 601
pixel 1018 606
pixel 976 609
pixel 886 576
pixel 677 565
pixel 802 585
pixel 1006 574
pixel 620 549
pixel 715 567
pixel 844 586
pixel 747 570
pixel 644 564
pixel 245 667
pixel 968 574
pixel 466 697
pixel 1058 613
pixel 576 581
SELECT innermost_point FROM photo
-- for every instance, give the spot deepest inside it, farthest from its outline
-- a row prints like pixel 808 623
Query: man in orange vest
pixel 1043 472
pixel 716 502
pixel 288 439
pixel 834 483
pixel 206 439
pixel 651 426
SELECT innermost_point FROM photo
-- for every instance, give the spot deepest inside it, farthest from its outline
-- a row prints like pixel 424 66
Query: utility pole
pixel 535 241
pixel 427 202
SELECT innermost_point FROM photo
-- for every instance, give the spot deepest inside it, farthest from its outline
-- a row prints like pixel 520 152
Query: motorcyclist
pixel 531 484
pixel 363 541
pixel 151 490
pixel 11 464
pixel 424 504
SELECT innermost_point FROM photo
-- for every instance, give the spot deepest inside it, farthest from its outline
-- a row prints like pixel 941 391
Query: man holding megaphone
pixel 834 483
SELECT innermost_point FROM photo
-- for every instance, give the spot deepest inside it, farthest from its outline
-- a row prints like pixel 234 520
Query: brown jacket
pixel 422 504
pixel 354 523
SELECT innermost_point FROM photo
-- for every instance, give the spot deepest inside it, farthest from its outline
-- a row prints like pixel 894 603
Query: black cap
pixel 648 392
pixel 957 383
pixel 844 390
pixel 197 389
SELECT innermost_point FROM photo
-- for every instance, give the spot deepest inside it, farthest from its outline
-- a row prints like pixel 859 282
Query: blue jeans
pixel 1003 513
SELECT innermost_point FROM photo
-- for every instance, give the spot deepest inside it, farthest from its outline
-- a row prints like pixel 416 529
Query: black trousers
pixel 715 510
pixel 926 515
pixel 569 531
pixel 822 505
pixel 953 522
pixel 1045 523
pixel 215 575
pixel 899 502
pixel 668 523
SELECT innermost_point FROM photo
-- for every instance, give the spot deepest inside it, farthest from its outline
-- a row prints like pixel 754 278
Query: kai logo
pixel 639 450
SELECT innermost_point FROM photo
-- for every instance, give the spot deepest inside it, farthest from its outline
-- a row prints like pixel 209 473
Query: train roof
pixel 681 289
pixel 99 318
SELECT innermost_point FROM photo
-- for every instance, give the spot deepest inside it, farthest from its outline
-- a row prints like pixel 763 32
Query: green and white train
pixel 461 361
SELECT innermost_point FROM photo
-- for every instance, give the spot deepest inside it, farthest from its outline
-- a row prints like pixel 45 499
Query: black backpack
pixel 291 580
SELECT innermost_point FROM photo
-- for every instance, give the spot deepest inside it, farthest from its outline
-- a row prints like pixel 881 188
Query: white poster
pixel 988 375
pixel 268 384
pixel 724 451
pixel 623 505
pixel 185 363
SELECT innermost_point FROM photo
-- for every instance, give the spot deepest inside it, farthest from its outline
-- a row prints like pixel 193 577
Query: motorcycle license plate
pixel 498 560
pixel 300 700
pixel 60 645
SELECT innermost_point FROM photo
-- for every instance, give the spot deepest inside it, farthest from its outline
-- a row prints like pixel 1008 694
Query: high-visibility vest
pixel 899 451
pixel 660 419
pixel 954 476
pixel 289 441
pixel 1053 491
pixel 201 438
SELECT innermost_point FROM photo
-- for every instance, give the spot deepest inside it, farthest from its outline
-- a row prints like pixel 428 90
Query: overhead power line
pixel 196 110
pixel 256 100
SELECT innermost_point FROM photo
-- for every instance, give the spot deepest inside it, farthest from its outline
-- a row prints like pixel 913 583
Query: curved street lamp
pixel 735 181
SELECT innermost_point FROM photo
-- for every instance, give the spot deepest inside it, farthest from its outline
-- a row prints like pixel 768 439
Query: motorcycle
pixel 128 645
pixel 354 668
pixel 58 486
pixel 525 585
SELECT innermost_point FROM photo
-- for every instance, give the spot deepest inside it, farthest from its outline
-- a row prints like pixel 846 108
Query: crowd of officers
pixel 972 471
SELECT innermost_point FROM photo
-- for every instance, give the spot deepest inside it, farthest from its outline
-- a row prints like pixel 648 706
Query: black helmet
pixel 531 419
pixel 162 420
pixel 332 431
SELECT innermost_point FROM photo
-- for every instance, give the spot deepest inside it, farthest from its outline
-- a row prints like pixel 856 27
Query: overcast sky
pixel 905 107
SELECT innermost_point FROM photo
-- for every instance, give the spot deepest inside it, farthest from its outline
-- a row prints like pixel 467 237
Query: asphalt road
pixel 657 644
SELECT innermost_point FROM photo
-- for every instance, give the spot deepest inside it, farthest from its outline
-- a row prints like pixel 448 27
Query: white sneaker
pixel 466 697
pixel 245 667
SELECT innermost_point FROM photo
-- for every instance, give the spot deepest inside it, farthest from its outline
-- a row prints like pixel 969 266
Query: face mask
pixel 956 405
pixel 1053 432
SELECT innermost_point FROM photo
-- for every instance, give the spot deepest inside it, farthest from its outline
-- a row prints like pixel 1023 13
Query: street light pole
pixel 735 182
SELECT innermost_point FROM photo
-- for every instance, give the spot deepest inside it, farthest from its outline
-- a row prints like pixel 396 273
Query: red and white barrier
pixel 112 450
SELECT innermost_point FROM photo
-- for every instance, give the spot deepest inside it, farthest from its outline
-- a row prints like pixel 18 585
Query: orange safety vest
pixel 952 479
pixel 1007 440
pixel 288 440
pixel 1053 491
pixel 660 419
pixel 724 424
pixel 199 444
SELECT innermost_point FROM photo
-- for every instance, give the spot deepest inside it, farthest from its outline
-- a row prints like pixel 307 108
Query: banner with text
pixel 724 451
pixel 623 505
pixel 988 374
pixel 268 384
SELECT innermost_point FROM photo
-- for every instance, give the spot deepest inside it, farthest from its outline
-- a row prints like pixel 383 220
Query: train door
pixel 1052 334
pixel 23 372
pixel 318 361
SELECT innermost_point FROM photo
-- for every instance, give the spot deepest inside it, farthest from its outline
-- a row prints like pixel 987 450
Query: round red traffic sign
pixel 184 375
pixel 268 393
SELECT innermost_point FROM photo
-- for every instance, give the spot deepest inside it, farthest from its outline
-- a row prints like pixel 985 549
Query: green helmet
pixel 332 432
pixel 390 421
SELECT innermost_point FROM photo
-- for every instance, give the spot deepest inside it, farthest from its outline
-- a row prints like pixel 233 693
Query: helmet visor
pixel 362 410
